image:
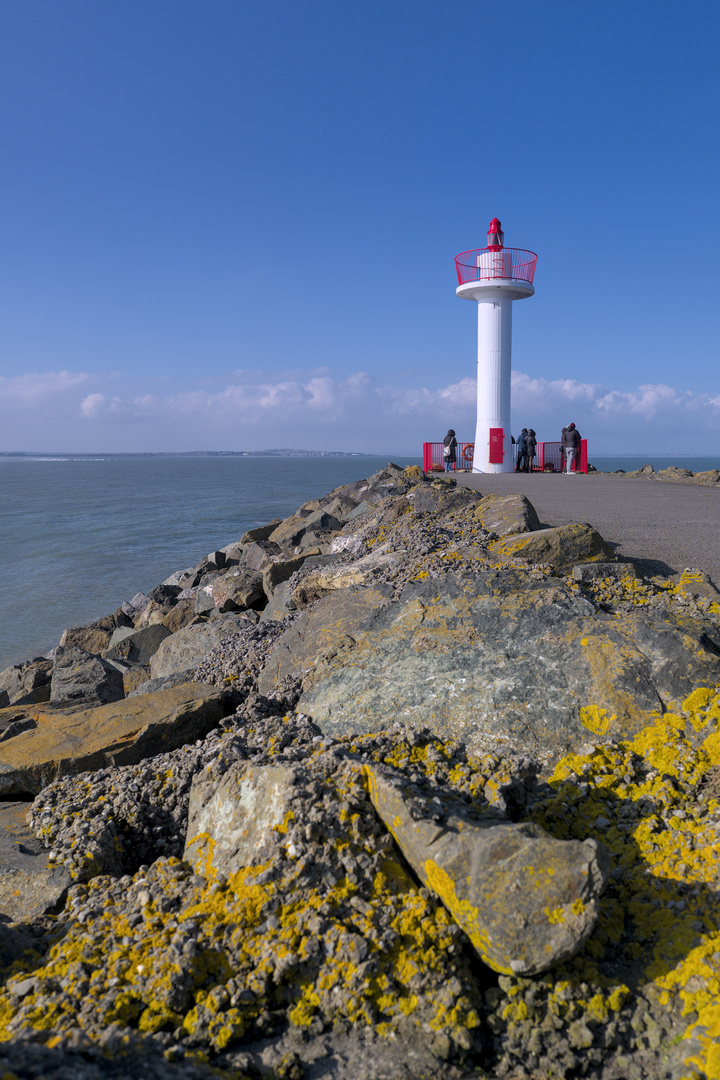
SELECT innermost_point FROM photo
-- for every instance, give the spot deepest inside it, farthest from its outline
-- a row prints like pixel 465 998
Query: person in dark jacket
pixel 450 451
pixel 521 450
pixel 570 444
pixel 530 444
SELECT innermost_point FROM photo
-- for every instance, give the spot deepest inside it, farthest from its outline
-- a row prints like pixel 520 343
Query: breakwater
pixel 401 783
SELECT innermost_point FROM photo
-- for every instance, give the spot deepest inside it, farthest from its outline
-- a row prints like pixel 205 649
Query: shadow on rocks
pixel 610 1012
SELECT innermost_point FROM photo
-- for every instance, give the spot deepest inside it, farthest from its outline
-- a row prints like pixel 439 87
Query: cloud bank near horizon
pixel 77 411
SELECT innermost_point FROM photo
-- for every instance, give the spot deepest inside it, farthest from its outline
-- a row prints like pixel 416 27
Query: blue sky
pixel 231 225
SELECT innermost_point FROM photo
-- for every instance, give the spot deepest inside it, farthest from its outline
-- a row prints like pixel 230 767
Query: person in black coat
pixel 521 450
pixel 530 444
pixel 570 446
pixel 450 451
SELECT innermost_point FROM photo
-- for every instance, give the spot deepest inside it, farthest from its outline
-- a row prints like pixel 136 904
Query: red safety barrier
pixel 433 460
pixel 548 457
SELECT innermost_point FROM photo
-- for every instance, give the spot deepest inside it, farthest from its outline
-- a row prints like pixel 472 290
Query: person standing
pixel 450 450
pixel 570 443
pixel 530 444
pixel 521 450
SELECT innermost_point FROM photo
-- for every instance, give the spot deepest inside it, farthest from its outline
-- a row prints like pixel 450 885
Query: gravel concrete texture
pixel 668 526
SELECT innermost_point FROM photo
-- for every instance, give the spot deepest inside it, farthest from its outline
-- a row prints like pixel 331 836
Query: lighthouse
pixel 494 276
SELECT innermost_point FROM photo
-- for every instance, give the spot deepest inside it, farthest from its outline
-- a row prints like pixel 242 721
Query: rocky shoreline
pixel 403 785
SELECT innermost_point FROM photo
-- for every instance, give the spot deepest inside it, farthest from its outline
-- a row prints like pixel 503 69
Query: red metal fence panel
pixel 433 460
pixel 548 457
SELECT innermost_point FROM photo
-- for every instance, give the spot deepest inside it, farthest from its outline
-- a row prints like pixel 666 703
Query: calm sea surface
pixel 80 535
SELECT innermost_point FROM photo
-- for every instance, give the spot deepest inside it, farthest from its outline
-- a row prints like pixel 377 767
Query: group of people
pixel 526 446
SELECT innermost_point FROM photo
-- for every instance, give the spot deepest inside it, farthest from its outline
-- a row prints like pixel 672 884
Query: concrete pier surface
pixel 673 526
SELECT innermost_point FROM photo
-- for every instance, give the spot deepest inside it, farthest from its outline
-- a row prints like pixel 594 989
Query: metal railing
pixel 548 457
pixel 433 460
pixel 508 264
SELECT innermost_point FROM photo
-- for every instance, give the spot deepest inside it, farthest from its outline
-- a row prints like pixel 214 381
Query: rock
pixel 229 824
pixel 95 637
pixel 694 583
pixel 259 554
pixel 360 572
pixel 204 601
pixel 280 570
pixel 237 589
pixel 137 646
pixel 507 514
pixel 261 532
pixel 181 578
pixel 501 660
pixel 26 896
pixel 133 675
pixel 80 677
pixel 279 605
pixel 362 508
pixel 319 632
pixel 617 571
pixel 13 943
pixel 24 684
pixel 120 733
pixel 234 553
pixel 151 686
pixel 440 498
pixel 133 607
pixel 674 473
pixel 165 593
pixel 340 507
pixel 4 699
pixel 291 531
pixel 29 886
pixel 561 547
pixel 185 649
pixel 525 900
pixel 179 616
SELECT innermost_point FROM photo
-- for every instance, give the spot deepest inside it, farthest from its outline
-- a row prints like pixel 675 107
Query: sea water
pixel 80 535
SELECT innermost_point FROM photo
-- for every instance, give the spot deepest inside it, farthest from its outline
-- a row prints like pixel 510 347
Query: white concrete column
pixel 493 380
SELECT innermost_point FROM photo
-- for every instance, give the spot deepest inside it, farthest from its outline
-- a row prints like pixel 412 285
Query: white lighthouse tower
pixel 494 276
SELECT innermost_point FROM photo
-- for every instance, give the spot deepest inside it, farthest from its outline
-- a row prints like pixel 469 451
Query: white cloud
pixel 33 388
pixel 356 411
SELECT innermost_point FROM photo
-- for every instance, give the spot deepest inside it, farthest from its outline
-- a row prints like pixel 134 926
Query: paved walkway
pixel 672 525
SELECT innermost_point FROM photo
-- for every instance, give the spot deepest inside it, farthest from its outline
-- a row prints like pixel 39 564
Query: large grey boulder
pixel 525 900
pixel 229 825
pixel 29 885
pixel 78 677
pixel 259 554
pixel 25 684
pixel 237 589
pixel 321 632
pixel 260 532
pixel 136 646
pixel 95 637
pixel 561 547
pixel 184 650
pixel 278 571
pixel 507 514
pixel 291 531
pixel 501 660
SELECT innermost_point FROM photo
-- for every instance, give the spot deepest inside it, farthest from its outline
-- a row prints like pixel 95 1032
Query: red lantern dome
pixel 495 236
